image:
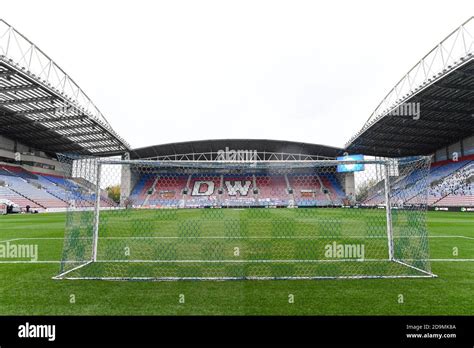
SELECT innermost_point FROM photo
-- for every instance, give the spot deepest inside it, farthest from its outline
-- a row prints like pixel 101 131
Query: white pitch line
pixel 39 262
pixel 228 237
pixel 242 261
pixel 246 278
pixel 41 238
pixel 465 237
pixel 445 260
pixel 9 240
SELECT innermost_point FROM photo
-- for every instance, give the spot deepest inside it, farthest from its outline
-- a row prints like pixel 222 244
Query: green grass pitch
pixel 27 288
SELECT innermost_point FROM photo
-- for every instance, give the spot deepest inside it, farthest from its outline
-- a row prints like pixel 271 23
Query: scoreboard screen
pixel 351 167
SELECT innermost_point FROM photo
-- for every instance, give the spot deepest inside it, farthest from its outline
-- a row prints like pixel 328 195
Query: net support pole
pixel 95 237
pixel 388 212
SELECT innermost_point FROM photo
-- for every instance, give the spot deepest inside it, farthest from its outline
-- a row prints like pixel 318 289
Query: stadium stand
pixel 451 184
pixel 27 185
pixel 44 191
pixel 457 188
pixel 15 198
pixel 257 189
pixel 317 189
pixel 33 193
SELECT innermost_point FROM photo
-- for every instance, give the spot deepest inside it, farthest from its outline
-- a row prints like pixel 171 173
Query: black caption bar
pixel 81 330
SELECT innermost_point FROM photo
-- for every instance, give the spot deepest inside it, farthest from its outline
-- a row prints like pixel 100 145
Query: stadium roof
pixel 208 149
pixel 42 107
pixel 442 83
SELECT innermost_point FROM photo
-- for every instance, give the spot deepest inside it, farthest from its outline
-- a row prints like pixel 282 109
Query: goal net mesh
pixel 171 220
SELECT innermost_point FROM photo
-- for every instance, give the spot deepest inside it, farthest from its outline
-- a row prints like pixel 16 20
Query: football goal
pixel 245 219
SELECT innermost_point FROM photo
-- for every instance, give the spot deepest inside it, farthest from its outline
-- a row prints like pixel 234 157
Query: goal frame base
pixel 423 273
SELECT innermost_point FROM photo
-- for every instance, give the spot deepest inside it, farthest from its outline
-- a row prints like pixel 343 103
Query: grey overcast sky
pixel 168 71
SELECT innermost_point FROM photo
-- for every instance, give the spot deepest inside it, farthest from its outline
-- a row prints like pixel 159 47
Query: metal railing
pixel 237 156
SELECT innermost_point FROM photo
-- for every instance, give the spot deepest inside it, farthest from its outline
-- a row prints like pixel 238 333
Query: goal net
pixel 203 220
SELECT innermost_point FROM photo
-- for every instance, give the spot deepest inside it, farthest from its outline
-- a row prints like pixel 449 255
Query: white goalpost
pixel 229 220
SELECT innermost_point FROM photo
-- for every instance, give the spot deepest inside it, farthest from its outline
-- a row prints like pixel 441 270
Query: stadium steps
pixel 107 202
pixel 375 193
pixel 456 200
pixel 84 183
pixel 47 177
pixel 153 186
pixel 321 185
pixel 438 200
pixel 55 195
pixel 91 187
pixel 69 189
pixel 324 189
pixel 12 196
pixel 27 198
pixel 51 187
pixel 18 172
